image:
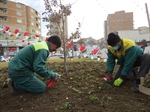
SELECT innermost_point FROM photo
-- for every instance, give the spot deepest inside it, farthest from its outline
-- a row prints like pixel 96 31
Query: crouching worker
pixel 128 55
pixel 28 62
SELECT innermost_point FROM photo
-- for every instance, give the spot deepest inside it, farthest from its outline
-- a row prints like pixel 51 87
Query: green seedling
pixel 78 77
pixel 109 98
pixel 65 106
pixel 77 90
pixel 94 98
pixel 65 83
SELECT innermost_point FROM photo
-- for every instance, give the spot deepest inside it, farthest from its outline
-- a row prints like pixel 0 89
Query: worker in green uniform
pixel 28 62
pixel 128 55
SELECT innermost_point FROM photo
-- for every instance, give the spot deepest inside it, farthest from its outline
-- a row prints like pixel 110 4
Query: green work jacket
pixel 32 59
pixel 125 56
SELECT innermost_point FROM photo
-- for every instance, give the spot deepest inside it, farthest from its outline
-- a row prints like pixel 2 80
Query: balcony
pixel 3 18
pixel 4 2
pixel 3 10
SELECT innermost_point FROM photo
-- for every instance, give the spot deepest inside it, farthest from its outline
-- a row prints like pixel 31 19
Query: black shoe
pixel 135 87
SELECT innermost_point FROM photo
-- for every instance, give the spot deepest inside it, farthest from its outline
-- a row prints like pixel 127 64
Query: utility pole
pixel 147 15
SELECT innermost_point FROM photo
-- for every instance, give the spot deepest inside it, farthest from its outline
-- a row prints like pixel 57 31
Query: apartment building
pixel 120 20
pixel 19 16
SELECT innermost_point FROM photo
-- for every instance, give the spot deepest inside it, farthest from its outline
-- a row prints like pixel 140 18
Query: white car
pixel 2 59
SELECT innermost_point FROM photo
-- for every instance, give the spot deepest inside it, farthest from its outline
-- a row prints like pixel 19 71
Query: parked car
pixel 62 57
pixel 58 54
pixel 2 59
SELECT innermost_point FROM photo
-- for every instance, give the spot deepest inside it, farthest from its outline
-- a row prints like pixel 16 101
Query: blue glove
pixel 118 81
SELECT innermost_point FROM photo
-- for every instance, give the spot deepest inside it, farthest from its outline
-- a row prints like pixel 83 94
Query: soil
pixel 82 90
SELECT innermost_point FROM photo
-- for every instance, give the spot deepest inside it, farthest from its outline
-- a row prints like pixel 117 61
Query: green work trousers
pixel 27 81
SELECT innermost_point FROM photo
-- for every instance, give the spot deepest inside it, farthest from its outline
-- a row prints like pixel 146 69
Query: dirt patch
pixel 82 90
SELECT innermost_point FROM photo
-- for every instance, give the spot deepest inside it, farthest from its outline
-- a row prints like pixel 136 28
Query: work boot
pixel 135 87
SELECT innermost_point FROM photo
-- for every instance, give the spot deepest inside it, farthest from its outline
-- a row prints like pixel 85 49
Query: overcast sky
pixel 92 14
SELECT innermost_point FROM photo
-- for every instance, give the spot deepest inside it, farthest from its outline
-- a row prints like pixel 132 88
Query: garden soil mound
pixel 81 90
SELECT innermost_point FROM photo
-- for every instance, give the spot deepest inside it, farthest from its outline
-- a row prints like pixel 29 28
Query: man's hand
pixel 118 81
pixel 108 78
pixel 57 76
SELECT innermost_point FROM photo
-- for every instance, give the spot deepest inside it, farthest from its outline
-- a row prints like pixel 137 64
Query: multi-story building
pixel 19 16
pixel 119 21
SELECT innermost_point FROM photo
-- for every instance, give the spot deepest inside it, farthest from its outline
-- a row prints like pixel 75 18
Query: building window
pixel 4 18
pixel 19 13
pixel 32 17
pixel 39 15
pixel 32 24
pixel 2 26
pixel 36 19
pixel 18 5
pixel 19 28
pixel 33 30
pixel 4 10
pixel 3 2
pixel 33 37
pixel 36 13
pixel 6 35
pixel 37 25
pixel 19 21
pixel 32 10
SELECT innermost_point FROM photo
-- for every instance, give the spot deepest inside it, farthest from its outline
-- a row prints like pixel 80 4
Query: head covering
pixel 55 40
pixel 113 39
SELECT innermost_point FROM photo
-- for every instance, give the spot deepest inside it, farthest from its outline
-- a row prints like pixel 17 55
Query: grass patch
pixel 3 64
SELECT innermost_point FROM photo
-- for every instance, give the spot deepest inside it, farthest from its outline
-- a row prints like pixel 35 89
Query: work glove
pixel 118 81
pixel 52 81
pixel 108 78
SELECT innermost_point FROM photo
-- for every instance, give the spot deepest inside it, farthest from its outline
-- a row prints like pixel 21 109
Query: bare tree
pixel 56 12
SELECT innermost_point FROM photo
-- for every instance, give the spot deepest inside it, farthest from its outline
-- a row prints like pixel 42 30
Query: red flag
pixel 16 31
pixel 95 51
pixel 6 29
pixel 82 48
pixel 37 35
pixel 69 45
pixel 26 33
